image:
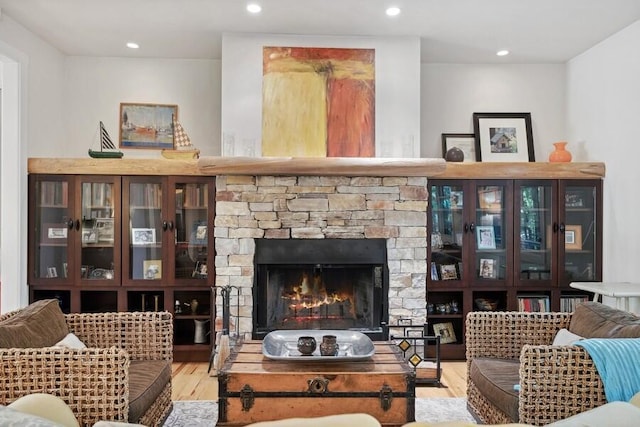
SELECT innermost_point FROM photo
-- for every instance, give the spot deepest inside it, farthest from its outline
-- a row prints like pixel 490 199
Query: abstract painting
pixel 318 102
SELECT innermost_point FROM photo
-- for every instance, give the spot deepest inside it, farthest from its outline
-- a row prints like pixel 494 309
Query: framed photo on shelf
pixel 485 237
pixel 464 141
pixel 152 269
pixel 448 272
pixel 104 227
pixel 446 332
pixel 199 270
pixel 455 199
pixel 53 233
pixel 201 232
pixel 503 137
pixel 147 126
pixel 488 268
pixel 573 200
pixel 143 236
pixel 52 272
pixel 89 235
pixel 573 237
pixel 490 198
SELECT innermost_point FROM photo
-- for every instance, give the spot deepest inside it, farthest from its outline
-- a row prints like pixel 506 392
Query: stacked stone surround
pixel 323 207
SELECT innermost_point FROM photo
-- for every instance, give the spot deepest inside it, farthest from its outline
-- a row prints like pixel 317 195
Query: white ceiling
pixel 451 31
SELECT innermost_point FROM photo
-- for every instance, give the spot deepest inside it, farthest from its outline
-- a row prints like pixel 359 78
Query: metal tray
pixel 283 345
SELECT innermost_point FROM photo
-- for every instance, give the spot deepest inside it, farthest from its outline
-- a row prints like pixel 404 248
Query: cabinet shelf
pixel 203 316
pixel 446 316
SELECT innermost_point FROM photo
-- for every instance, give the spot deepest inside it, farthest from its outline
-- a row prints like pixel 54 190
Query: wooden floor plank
pixel 191 381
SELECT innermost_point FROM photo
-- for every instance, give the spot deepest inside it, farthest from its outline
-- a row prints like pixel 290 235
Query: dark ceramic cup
pixel 306 345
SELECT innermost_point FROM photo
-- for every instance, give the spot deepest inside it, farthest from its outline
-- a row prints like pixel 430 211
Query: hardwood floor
pixel 192 382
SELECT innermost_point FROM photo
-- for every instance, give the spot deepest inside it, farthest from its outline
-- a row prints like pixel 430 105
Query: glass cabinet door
pixel 192 231
pixel 145 226
pixel 535 248
pixel 52 230
pixel 447 227
pixel 100 229
pixel 581 235
pixel 491 232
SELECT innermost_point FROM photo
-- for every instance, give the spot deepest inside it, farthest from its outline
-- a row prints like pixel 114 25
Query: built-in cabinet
pixel 137 234
pixel 126 243
pixel 508 244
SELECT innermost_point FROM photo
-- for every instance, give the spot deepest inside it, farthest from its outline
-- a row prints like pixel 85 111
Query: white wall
pixel 451 93
pixel 31 97
pixel 603 114
pixel 95 87
pixel 397 69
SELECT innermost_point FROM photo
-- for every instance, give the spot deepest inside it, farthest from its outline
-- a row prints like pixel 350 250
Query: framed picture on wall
pixel 464 141
pixel 148 126
pixel 503 137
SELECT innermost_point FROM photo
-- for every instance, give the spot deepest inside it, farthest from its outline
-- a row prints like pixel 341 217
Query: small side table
pixel 621 291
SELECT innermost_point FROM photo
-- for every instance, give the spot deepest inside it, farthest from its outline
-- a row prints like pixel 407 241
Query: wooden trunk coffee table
pixel 255 388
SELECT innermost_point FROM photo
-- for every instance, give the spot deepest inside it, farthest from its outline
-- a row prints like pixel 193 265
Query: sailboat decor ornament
pixel 107 148
pixel 182 144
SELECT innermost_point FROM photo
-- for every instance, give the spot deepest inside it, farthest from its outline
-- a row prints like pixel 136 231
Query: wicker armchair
pixel 555 381
pixel 94 382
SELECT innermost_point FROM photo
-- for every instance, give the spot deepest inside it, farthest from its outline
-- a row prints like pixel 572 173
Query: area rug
pixel 200 413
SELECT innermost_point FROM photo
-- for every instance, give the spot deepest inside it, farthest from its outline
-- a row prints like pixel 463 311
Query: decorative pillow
pixel 47 406
pixel 565 337
pixel 596 320
pixel 70 341
pixel 40 324
pixel 13 418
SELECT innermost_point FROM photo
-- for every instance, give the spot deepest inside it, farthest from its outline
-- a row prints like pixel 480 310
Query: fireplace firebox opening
pixel 321 284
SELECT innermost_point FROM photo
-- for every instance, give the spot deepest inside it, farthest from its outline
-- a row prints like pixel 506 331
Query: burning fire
pixel 312 293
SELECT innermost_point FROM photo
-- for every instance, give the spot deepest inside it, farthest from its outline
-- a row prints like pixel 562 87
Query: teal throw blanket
pixel 618 363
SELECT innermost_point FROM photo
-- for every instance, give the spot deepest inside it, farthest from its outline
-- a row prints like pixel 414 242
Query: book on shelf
pixel 533 303
pixel 568 303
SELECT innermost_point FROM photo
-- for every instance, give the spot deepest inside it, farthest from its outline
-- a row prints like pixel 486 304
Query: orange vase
pixel 560 154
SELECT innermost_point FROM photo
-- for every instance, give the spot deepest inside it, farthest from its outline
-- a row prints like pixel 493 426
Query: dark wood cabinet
pixel 126 243
pixel 509 244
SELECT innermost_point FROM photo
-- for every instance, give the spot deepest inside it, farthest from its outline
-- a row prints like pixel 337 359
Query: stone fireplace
pixel 264 212
pixel 320 284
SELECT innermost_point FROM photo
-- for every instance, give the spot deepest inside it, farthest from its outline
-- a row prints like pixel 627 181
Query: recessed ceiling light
pixel 393 11
pixel 503 52
pixel 254 8
pixel 132 45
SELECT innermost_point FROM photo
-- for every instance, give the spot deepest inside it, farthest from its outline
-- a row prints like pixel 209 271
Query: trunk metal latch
pixel 318 385
pixel 386 396
pixel 246 397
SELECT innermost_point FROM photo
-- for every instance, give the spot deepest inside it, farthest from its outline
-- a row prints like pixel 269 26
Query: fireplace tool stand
pixel 420 350
pixel 222 342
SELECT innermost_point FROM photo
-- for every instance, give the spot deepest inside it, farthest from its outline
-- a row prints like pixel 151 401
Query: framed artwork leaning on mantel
pixel 503 137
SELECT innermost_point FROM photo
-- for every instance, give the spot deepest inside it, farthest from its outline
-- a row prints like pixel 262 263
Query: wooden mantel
pixel 334 166
pixel 324 166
